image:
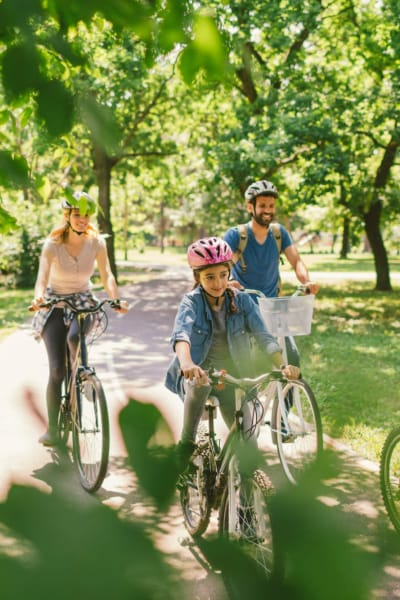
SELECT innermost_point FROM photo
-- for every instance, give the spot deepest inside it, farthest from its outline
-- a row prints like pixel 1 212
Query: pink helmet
pixel 207 252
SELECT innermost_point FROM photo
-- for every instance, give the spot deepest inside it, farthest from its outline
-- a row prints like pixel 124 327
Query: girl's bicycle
pixel 390 476
pixel 83 409
pixel 294 422
pixel 216 480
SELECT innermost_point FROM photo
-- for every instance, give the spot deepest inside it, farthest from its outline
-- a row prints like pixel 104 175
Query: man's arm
pixel 300 268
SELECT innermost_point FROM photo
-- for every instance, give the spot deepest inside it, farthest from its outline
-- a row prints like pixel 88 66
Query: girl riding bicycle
pixel 213 327
pixel 66 264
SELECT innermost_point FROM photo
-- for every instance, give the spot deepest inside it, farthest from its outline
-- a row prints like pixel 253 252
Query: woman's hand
pixel 122 307
pixel 291 372
pixel 36 304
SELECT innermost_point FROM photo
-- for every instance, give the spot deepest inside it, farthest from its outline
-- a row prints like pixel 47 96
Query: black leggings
pixel 55 336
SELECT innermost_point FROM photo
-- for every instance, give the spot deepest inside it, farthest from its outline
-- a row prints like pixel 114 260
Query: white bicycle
pixel 291 419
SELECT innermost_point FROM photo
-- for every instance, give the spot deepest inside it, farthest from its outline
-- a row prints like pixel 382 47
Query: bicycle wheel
pixel 297 429
pixel 195 487
pixel 90 432
pixel 390 476
pixel 243 517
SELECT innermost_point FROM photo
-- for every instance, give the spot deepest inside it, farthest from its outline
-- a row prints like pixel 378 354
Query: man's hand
pixel 312 288
pixel 235 284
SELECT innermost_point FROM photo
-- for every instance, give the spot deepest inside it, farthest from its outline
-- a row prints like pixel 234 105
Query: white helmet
pixel 260 188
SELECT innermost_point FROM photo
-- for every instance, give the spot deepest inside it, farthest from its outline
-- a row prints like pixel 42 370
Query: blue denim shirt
pixel 193 324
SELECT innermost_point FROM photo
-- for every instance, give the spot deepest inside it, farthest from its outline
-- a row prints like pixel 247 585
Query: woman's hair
pixel 230 293
pixel 59 234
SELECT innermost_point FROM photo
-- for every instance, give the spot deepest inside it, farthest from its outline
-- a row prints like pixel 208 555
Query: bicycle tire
pixel 90 432
pixel 299 440
pixel 389 474
pixel 195 489
pixel 244 519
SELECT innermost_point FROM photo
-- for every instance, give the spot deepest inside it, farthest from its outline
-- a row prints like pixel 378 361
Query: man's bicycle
pixel 390 476
pixel 83 409
pixel 215 478
pixel 291 412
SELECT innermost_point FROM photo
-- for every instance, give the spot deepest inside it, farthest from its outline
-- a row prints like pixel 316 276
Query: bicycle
pixel 83 408
pixel 214 478
pixel 389 475
pixel 295 425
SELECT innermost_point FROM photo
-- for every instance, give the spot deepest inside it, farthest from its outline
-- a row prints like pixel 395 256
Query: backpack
pixel 238 255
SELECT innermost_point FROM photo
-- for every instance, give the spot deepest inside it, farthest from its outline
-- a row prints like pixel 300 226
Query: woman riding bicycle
pixel 66 264
pixel 213 327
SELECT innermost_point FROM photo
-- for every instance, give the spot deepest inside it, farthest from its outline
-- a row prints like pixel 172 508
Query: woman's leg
pixel 73 334
pixel 54 336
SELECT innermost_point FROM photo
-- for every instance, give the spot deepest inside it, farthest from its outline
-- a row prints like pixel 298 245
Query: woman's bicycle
pixel 216 480
pixel 390 476
pixel 294 423
pixel 83 409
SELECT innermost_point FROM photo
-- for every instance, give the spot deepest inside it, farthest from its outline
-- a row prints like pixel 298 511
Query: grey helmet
pixel 80 200
pixel 260 188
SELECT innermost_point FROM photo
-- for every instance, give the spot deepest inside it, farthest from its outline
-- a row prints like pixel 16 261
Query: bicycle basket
pixel 288 315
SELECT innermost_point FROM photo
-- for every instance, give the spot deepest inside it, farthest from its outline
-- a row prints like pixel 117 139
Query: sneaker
pixel 50 438
pixel 184 451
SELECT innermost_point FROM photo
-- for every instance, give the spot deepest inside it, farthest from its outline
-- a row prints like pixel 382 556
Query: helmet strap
pixel 74 230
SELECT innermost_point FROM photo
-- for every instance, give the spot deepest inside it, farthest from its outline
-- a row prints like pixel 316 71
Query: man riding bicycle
pixel 257 247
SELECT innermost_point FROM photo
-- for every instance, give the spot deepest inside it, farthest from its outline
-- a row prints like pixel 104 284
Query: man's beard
pixel 260 220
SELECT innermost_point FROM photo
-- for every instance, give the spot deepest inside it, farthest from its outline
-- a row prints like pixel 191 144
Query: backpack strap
pixel 238 254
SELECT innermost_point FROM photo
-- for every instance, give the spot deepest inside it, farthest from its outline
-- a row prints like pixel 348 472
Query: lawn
pixel 350 358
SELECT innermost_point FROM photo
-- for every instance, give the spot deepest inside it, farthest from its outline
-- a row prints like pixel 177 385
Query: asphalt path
pixel 131 359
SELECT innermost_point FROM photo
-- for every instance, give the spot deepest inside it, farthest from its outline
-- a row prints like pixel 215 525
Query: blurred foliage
pixel 51 536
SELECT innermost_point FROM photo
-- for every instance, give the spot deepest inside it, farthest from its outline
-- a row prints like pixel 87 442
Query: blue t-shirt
pixel 262 260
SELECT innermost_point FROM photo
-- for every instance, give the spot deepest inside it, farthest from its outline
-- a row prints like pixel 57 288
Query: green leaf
pixel 13 170
pixel 101 123
pixel 143 426
pixel 7 221
pixel 21 69
pixel 55 107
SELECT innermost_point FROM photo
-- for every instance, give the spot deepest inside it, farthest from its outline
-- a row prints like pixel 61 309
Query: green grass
pixel 350 359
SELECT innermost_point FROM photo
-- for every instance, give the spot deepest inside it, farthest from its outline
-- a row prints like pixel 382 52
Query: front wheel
pixel 90 432
pixel 195 487
pixel 244 519
pixel 390 476
pixel 296 428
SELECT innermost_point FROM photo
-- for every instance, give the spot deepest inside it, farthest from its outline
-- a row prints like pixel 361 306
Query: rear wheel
pixel 90 432
pixel 297 429
pixel 390 476
pixel 244 519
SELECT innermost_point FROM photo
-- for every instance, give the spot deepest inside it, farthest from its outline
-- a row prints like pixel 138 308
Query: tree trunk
pixel 372 228
pixel 103 165
pixel 344 250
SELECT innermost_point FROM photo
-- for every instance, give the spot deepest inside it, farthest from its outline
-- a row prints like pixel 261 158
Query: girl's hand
pixel 291 372
pixel 195 374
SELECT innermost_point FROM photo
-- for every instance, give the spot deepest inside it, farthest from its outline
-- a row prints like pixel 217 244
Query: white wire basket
pixel 288 315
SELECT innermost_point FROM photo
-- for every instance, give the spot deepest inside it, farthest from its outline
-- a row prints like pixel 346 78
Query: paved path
pixel 131 361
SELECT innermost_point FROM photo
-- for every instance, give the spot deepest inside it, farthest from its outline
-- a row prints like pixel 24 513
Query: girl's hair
pixel 230 293
pixel 59 234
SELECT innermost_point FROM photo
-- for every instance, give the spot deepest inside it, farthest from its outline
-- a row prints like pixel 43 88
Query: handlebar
pixel 66 300
pixel 301 290
pixel 245 383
